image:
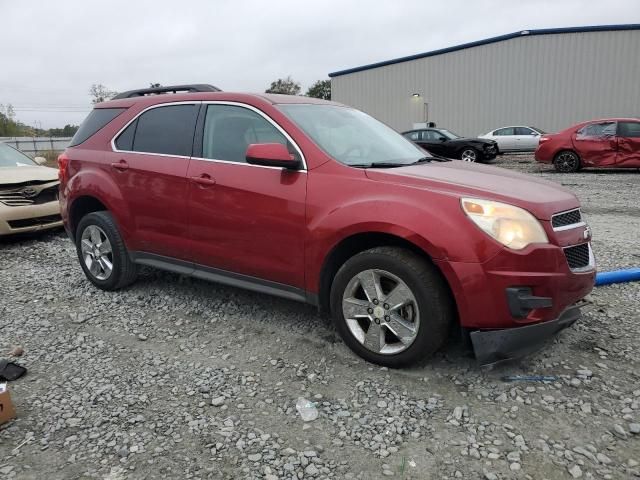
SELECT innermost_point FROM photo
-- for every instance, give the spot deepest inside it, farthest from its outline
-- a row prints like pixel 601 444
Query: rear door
pixel 526 139
pixel 596 143
pixel 244 218
pixel 505 138
pixel 149 164
pixel 628 144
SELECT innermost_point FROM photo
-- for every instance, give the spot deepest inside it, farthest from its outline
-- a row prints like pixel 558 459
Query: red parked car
pixel 317 202
pixel 609 143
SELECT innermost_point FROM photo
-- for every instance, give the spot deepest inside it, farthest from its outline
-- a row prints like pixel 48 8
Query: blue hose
pixel 618 276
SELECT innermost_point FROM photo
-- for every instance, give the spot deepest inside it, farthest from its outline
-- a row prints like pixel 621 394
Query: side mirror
pixel 40 160
pixel 442 139
pixel 535 134
pixel 271 155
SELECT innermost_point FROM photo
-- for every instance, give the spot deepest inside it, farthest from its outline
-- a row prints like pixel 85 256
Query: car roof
pixel 271 98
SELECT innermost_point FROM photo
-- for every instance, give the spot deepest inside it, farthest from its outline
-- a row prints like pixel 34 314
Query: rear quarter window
pixel 96 120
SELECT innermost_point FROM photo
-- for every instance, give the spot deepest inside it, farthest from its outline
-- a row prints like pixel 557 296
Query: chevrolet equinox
pixel 318 202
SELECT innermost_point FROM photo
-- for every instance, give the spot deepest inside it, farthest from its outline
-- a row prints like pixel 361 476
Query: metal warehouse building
pixel 549 78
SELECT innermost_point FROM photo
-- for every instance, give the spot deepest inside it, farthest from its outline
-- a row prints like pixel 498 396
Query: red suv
pixel 609 143
pixel 318 202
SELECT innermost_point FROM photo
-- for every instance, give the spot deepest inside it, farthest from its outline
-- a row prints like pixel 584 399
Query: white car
pixel 515 139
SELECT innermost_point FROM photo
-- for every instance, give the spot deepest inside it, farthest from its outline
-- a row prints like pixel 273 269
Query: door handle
pixel 204 180
pixel 122 165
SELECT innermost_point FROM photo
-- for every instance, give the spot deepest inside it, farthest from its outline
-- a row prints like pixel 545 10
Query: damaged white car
pixel 28 193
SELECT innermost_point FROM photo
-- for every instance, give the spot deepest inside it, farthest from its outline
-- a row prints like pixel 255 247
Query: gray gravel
pixel 178 378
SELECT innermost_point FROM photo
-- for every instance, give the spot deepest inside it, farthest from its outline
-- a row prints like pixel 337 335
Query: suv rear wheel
pixel 102 253
pixel 391 306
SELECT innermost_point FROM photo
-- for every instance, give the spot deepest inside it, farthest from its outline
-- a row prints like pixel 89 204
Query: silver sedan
pixel 515 139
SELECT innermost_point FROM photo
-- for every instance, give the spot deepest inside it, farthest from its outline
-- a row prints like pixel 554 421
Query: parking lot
pixel 179 378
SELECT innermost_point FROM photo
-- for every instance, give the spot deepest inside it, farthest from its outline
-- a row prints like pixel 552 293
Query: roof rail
pixel 200 87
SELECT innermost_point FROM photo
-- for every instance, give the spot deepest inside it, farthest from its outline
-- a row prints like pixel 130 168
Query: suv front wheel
pixel 391 306
pixel 102 252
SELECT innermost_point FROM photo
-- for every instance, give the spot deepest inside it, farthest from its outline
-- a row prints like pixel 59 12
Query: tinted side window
pixel 415 136
pixel 432 135
pixel 168 130
pixel 523 131
pixel 125 139
pixel 229 130
pixel 504 131
pixel 98 118
pixel 629 129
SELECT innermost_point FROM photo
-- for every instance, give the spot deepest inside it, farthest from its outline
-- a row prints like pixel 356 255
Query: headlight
pixel 512 226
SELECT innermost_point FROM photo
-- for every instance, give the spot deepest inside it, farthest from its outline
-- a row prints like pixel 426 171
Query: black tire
pixel 567 161
pixel 435 305
pixel 124 271
pixel 470 154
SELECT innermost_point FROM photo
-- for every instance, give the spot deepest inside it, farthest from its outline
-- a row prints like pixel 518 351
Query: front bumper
pixel 490 152
pixel 494 346
pixel 29 218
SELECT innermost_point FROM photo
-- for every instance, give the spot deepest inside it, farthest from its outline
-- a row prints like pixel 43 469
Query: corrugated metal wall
pixel 548 81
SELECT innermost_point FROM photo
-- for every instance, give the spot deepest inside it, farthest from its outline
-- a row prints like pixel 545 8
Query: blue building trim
pixel 500 38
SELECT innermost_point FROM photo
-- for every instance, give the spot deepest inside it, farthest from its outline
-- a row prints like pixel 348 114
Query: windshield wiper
pixel 431 159
pixel 379 165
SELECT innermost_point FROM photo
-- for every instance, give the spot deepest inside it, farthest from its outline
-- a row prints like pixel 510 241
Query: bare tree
pixel 100 93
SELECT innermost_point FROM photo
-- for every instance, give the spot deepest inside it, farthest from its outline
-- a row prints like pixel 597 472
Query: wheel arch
pixel 82 206
pixel 359 242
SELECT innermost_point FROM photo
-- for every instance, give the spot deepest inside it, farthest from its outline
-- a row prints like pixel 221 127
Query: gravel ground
pixel 178 378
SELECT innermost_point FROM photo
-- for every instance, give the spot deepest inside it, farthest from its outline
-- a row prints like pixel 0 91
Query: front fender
pixel 439 230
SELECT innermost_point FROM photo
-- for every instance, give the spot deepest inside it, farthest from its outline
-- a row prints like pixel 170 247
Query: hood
pixel 462 179
pixel 35 174
pixel 472 140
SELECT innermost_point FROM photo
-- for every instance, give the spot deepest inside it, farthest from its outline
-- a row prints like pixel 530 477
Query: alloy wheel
pixel 567 162
pixel 96 252
pixel 469 155
pixel 381 311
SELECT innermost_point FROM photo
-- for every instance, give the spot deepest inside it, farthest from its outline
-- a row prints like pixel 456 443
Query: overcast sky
pixel 53 51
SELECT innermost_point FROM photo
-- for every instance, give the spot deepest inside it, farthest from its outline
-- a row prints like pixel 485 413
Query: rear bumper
pixel 493 346
pixel 31 218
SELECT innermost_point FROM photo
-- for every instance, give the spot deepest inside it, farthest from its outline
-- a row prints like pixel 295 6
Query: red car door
pixel 245 218
pixel 628 144
pixel 597 144
pixel 149 164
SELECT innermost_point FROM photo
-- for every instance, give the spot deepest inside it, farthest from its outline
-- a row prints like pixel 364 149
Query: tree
pixel 287 86
pixel 100 93
pixel 320 89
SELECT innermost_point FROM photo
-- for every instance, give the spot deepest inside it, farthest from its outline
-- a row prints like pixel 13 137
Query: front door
pixel 628 144
pixel 434 142
pixel 596 144
pixel 149 165
pixel 245 218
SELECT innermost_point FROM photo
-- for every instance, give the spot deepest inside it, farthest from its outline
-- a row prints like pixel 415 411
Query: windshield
pixel 539 130
pixel 351 136
pixel 10 157
pixel 450 135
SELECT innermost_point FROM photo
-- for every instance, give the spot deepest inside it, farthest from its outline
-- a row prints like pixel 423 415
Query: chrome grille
pixel 14 197
pixel 566 219
pixel 578 256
